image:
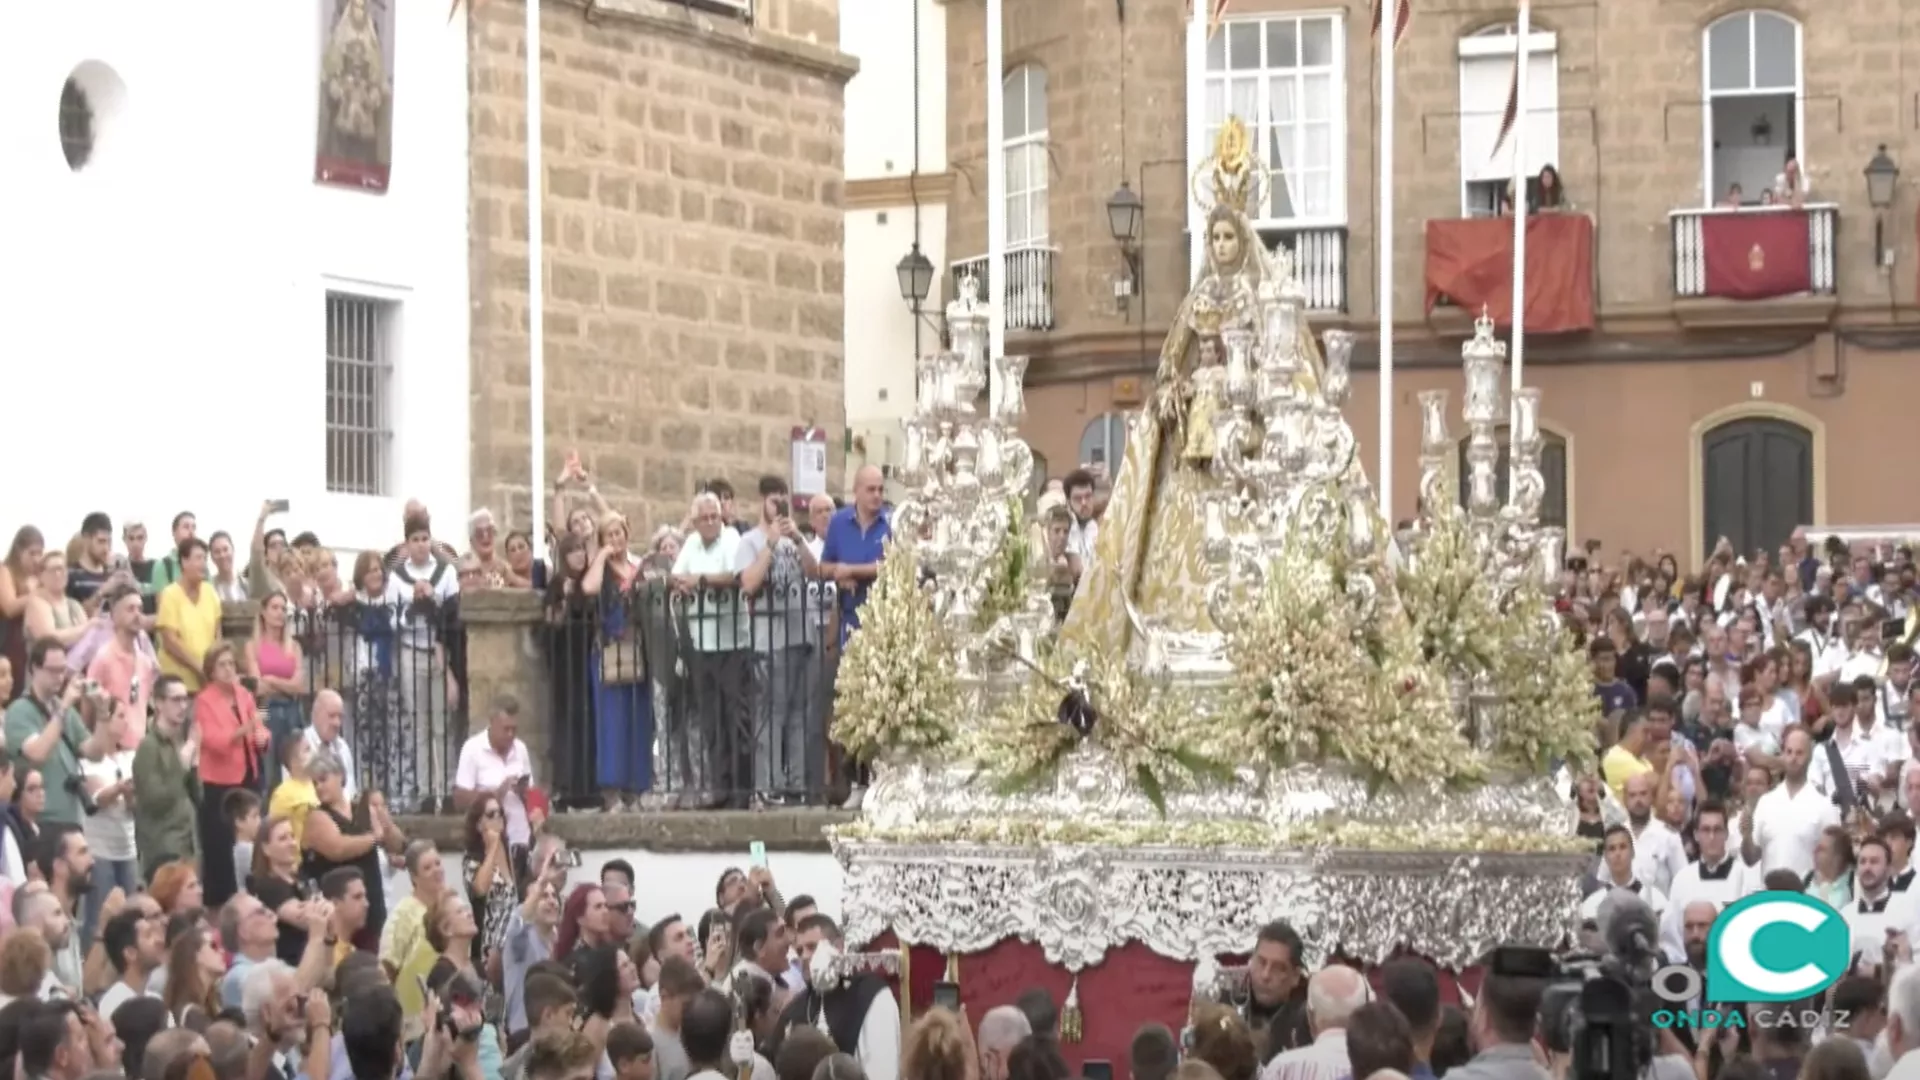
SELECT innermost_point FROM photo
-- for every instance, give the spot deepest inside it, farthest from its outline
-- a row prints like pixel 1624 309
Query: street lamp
pixel 1882 176
pixel 1125 215
pixel 915 271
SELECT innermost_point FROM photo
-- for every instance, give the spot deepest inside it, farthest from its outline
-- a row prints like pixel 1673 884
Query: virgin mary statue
pixel 1149 563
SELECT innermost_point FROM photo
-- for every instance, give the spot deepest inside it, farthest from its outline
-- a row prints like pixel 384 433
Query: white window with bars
pixel 1284 76
pixel 360 346
pixel 1025 118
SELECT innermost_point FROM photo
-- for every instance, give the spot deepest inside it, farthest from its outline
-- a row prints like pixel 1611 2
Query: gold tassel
pixel 1072 1024
pixel 953 969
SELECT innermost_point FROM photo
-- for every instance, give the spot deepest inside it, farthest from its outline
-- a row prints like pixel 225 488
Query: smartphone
pixel 946 995
pixel 1893 630
pixel 781 507
pixel 1096 1069
pixel 280 506
pixel 757 854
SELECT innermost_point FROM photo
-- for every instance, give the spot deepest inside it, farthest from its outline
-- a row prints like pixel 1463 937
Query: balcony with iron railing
pixel 1029 303
pixel 1755 252
pixel 1319 262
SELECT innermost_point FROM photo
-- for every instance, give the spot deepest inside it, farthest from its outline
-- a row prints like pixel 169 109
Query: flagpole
pixel 536 286
pixel 1389 23
pixel 996 184
pixel 1517 354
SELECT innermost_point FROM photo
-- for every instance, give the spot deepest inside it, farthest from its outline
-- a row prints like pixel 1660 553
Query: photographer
pixel 1502 1029
pixel 44 728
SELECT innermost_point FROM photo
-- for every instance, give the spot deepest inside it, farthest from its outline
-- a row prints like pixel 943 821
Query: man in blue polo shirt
pixel 855 540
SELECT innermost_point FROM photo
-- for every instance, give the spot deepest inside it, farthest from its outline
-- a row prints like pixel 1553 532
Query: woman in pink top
pixel 233 739
pixel 275 664
pixel 125 666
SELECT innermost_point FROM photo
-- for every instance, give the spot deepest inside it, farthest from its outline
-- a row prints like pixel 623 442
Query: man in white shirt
pixel 1828 654
pixel 135 945
pixel 719 664
pixel 1616 872
pixel 1334 994
pixel 1877 912
pixel 1658 853
pixel 1870 753
pixel 329 712
pixel 1893 698
pixel 1788 820
pixel 420 588
pixel 1719 876
pixel 1865 657
pixel 495 762
pixel 1086 530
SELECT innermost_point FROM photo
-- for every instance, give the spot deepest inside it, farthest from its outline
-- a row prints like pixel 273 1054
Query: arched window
pixel 1104 440
pixel 1026 135
pixel 1553 469
pixel 1754 116
pixel 1486 78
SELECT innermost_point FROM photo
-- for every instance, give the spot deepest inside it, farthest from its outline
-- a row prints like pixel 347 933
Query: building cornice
pixel 883 192
pixel 692 24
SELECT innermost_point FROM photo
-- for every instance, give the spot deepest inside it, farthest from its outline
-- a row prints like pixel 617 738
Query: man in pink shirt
pixel 125 666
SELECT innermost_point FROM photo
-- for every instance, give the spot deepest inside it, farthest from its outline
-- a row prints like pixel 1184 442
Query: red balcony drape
pixel 1471 262
pixel 1757 255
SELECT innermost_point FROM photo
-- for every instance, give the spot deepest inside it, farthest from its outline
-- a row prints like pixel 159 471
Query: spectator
pixel 189 615
pixel 342 834
pixel 43 728
pixel 617 674
pixel 51 613
pixel 855 540
pixel 134 946
pixel 1154 1054
pixel 195 968
pixel 19 575
pixel 233 739
pixel 776 566
pixel 276 664
pixel 1378 1037
pixel 124 664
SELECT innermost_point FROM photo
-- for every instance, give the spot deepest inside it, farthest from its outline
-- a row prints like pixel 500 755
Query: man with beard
pixel 35 908
pixel 1718 876
pixel 1788 821
pixel 1658 853
pixel 667 938
pixel 1877 912
pixel 66 865
pixel 859 1014
pixel 1276 1002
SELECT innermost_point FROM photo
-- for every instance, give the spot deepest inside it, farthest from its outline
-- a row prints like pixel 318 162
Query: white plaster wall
pixel 683 883
pixel 164 308
pixel 881 329
pixel 880 99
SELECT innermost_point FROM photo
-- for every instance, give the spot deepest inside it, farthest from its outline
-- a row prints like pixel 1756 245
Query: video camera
pixel 1595 1007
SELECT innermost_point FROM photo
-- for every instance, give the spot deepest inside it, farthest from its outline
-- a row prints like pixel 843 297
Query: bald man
pixel 856 538
pixel 1334 994
pixel 1000 1031
pixel 329 714
pixel 1659 855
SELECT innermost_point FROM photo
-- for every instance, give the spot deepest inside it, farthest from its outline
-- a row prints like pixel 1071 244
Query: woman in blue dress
pixel 623 702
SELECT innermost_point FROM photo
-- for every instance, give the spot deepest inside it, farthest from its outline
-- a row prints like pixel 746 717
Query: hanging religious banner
pixel 355 147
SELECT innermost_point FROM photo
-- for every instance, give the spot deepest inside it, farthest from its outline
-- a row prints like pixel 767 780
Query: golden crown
pixel 1232 176
pixel 1207 317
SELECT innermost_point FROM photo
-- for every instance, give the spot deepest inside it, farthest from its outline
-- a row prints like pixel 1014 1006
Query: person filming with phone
pixel 43 726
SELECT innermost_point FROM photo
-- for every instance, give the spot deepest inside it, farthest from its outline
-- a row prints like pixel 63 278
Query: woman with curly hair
pixel 940 1048
pixel 487 867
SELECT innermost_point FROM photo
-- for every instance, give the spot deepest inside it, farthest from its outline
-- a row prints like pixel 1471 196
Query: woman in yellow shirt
pixel 294 797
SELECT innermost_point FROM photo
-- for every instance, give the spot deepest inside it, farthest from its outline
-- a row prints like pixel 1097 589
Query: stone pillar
pixel 506 654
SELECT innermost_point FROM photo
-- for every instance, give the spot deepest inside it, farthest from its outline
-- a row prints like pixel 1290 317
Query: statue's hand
pixel 1170 400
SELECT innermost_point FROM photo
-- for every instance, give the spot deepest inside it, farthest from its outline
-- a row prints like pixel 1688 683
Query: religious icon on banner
pixel 809 460
pixel 356 94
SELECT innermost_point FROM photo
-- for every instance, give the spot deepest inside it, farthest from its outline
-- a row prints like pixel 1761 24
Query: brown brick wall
pixel 693 230
pixel 1630 134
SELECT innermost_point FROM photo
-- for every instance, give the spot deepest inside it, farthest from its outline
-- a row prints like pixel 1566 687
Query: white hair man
pixel 706 571
pixel 1333 995
pixel 283 1021
pixel 1000 1031
pixel 1903 1024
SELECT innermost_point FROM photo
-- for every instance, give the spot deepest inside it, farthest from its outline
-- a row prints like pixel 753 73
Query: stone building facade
pixel 1668 391
pixel 693 234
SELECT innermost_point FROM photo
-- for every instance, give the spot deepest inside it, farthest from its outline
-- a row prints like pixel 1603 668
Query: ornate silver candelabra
pixel 1284 451
pixel 965 474
pixel 1507 537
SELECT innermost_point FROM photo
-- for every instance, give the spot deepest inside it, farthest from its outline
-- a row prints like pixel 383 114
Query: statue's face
pixel 1209 351
pixel 1223 243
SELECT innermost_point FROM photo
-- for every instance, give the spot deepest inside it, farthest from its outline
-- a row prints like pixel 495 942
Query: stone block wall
pixel 693 239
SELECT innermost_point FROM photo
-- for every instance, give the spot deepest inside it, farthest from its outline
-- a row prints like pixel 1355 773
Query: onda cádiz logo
pixel 1776 949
